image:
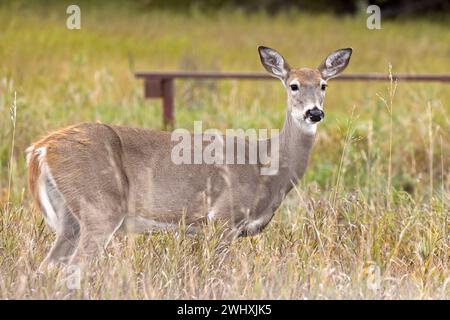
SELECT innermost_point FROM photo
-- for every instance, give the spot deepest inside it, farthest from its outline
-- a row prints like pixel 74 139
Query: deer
pixel 93 180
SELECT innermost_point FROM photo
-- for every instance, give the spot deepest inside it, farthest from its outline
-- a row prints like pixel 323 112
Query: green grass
pixel 341 223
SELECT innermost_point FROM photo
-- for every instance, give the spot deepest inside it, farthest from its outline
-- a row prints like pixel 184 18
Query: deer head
pixel 305 87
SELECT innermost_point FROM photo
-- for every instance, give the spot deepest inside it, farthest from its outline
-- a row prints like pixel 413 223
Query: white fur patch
pixel 305 126
pixel 51 216
pixel 41 152
pixel 29 152
pixel 297 116
pixel 256 224
pixel 211 215
pixel 309 128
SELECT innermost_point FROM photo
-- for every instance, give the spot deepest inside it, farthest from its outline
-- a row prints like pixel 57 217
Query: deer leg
pixel 95 234
pixel 66 227
pixel 63 247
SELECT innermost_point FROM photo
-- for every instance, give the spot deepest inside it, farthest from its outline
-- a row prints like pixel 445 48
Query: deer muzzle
pixel 314 114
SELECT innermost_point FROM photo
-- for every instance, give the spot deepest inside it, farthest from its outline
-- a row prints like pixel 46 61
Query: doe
pixel 91 180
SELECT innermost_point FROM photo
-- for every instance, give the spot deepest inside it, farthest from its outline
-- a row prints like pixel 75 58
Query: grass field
pixel 370 219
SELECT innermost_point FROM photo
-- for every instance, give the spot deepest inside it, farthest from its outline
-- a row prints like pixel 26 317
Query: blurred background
pixel 389 143
pixel 391 8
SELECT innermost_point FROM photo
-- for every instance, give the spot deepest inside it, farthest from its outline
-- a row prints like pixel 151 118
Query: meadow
pixel 370 219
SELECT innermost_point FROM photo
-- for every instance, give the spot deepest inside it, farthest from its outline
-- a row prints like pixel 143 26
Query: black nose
pixel 315 114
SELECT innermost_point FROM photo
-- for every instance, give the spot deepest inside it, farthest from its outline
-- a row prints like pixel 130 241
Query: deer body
pixel 91 180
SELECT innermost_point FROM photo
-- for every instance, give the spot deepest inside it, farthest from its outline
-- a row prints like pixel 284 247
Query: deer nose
pixel 315 114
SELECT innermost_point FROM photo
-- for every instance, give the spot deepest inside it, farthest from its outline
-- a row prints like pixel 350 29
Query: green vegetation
pixel 376 194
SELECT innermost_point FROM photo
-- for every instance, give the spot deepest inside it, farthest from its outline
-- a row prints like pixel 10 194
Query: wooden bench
pixel 161 84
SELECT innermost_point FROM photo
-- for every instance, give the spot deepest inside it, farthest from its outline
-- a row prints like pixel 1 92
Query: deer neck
pixel 295 141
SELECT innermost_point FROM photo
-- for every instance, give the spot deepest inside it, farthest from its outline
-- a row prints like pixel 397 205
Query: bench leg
pixel 168 103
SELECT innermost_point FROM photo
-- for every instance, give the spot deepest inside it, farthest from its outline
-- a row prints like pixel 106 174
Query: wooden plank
pixel 159 75
pixel 153 88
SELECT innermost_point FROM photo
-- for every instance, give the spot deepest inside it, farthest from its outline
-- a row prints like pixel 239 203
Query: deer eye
pixel 294 87
pixel 323 86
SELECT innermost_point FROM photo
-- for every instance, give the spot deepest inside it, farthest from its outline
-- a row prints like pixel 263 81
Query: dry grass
pixel 370 218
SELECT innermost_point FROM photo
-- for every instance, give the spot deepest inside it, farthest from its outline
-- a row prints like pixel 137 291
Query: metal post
pixel 168 103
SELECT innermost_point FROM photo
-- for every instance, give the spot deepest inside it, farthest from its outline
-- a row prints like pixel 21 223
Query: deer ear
pixel 335 63
pixel 274 62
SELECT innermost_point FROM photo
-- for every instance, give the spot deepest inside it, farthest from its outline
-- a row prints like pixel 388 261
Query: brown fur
pixel 49 141
pixel 67 133
pixel 33 175
pixel 305 76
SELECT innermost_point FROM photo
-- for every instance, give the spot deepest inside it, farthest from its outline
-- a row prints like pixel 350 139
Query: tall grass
pixel 13 113
pixel 369 219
